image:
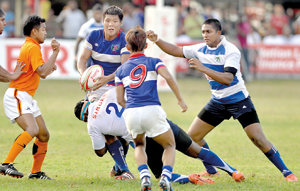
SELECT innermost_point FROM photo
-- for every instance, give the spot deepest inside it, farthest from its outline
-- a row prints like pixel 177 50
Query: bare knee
pixel 101 152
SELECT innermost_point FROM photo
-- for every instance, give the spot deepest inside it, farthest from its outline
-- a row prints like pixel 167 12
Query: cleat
pixel 125 176
pixel 165 184
pixel 10 170
pixel 146 184
pixel 238 176
pixel 39 175
pixel 197 179
pixel 114 173
pixel 205 173
pixel 291 178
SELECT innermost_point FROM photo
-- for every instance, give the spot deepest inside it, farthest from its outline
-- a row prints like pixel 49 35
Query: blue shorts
pixel 214 113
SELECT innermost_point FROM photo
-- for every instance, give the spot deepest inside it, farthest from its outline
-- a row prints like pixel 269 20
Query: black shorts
pixel 214 113
pixel 155 151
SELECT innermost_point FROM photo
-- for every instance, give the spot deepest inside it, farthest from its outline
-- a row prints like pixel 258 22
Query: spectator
pixel 130 19
pixel 94 23
pixel 272 38
pixel 287 36
pixel 53 30
pixel 9 19
pixel 192 24
pixel 279 19
pixel 71 19
pixel 253 37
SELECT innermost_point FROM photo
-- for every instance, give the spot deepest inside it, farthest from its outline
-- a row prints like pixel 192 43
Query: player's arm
pixel 120 95
pixel 78 40
pixel 48 67
pixel 163 71
pixel 221 77
pixel 6 76
pixel 81 65
pixel 168 48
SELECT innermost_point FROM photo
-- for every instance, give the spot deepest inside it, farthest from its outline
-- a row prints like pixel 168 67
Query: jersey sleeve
pixel 90 39
pixel 159 63
pixel 83 31
pixel 35 56
pixel 190 51
pixel 118 79
pixel 233 59
pixel 124 50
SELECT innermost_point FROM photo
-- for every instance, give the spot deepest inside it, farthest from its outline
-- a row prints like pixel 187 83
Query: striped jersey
pixel 217 58
pixel 138 75
pixel 106 53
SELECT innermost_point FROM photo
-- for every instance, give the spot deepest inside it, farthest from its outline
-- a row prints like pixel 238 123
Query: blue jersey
pixel 138 75
pixel 106 53
pixel 217 58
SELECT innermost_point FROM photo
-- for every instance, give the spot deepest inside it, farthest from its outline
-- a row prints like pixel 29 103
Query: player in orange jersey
pixel 19 105
pixel 5 76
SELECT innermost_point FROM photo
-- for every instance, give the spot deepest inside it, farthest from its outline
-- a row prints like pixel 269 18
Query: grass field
pixel 72 162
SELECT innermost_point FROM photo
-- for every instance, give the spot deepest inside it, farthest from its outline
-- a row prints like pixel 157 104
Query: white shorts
pixel 96 95
pixel 17 103
pixel 98 138
pixel 150 119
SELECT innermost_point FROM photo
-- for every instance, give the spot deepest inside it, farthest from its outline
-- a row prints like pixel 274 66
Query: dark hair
pixel 97 7
pixel 215 23
pixel 136 39
pixel 114 10
pixel 77 109
pixel 31 22
pixel 1 13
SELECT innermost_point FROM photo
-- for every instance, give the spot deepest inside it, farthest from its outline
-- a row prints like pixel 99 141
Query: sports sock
pixel 39 151
pixel 144 171
pixel 211 158
pixel 209 168
pixel 167 171
pixel 117 152
pixel 274 156
pixel 182 179
pixel 20 143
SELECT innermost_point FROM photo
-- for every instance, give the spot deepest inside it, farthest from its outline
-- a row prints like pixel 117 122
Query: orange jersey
pixel 31 56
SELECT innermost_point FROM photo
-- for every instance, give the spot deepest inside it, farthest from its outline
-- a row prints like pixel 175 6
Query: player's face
pixel 112 25
pixel 41 33
pixel 210 35
pixel 85 112
pixel 2 24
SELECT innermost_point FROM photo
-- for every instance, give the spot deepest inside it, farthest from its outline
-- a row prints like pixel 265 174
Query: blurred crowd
pixel 257 22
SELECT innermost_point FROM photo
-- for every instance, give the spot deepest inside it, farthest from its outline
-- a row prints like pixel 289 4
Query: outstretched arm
pixel 168 48
pixel 6 76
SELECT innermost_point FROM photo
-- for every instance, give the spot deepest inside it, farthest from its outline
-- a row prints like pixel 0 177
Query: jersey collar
pixel 134 55
pixel 117 34
pixel 29 39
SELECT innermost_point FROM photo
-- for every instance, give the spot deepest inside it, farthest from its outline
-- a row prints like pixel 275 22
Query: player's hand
pixel 55 45
pixel 18 71
pixel 101 81
pixel 152 36
pixel 183 106
pixel 195 63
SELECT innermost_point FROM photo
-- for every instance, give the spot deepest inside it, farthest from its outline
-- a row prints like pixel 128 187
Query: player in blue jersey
pixel 219 60
pixel 143 114
pixel 107 49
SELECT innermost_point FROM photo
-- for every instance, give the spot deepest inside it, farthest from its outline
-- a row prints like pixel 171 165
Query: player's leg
pixel 116 150
pixel 252 127
pixel 39 150
pixel 141 160
pixel 28 124
pixel 167 141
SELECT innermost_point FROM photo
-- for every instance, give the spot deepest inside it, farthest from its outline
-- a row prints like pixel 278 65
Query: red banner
pixel 277 59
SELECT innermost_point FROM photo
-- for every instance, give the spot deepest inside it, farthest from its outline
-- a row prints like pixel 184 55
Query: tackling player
pixel 143 114
pixel 219 60
pixel 6 76
pixel 18 103
pixel 105 123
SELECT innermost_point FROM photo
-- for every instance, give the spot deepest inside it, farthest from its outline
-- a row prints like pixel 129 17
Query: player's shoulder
pixel 230 47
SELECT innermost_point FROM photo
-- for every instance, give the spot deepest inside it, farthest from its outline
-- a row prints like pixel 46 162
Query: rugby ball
pixel 88 78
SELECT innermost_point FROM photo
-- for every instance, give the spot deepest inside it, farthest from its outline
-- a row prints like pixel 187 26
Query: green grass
pixel 73 163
